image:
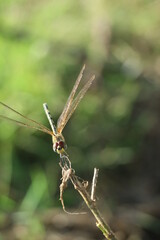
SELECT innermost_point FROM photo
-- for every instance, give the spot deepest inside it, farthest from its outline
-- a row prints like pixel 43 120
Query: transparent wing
pixel 26 125
pixel 62 119
pixel 77 101
pixel 37 126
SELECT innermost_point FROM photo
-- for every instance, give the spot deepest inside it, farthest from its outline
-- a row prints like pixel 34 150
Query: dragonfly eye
pixel 60 145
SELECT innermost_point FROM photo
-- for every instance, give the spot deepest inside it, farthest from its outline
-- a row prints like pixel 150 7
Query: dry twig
pixel 80 186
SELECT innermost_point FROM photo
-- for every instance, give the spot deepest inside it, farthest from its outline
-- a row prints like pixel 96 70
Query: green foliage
pixel 43 45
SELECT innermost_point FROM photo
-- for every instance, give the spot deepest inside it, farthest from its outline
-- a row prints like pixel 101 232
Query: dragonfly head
pixel 59 145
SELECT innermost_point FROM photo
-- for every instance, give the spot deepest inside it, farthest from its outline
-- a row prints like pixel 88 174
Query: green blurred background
pixel 43 45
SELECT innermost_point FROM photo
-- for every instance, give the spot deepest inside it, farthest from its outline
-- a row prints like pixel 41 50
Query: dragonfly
pixel 58 140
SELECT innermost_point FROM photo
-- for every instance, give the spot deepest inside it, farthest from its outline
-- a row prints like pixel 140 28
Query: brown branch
pixel 80 186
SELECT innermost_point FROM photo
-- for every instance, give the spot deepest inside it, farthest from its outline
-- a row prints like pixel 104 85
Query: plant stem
pixel 107 232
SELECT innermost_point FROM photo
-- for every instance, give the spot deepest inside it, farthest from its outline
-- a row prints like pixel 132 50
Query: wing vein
pixel 78 99
pixel 26 125
pixel 64 114
pixel 39 126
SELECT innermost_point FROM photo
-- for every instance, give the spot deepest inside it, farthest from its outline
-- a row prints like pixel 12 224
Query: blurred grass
pixel 43 46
